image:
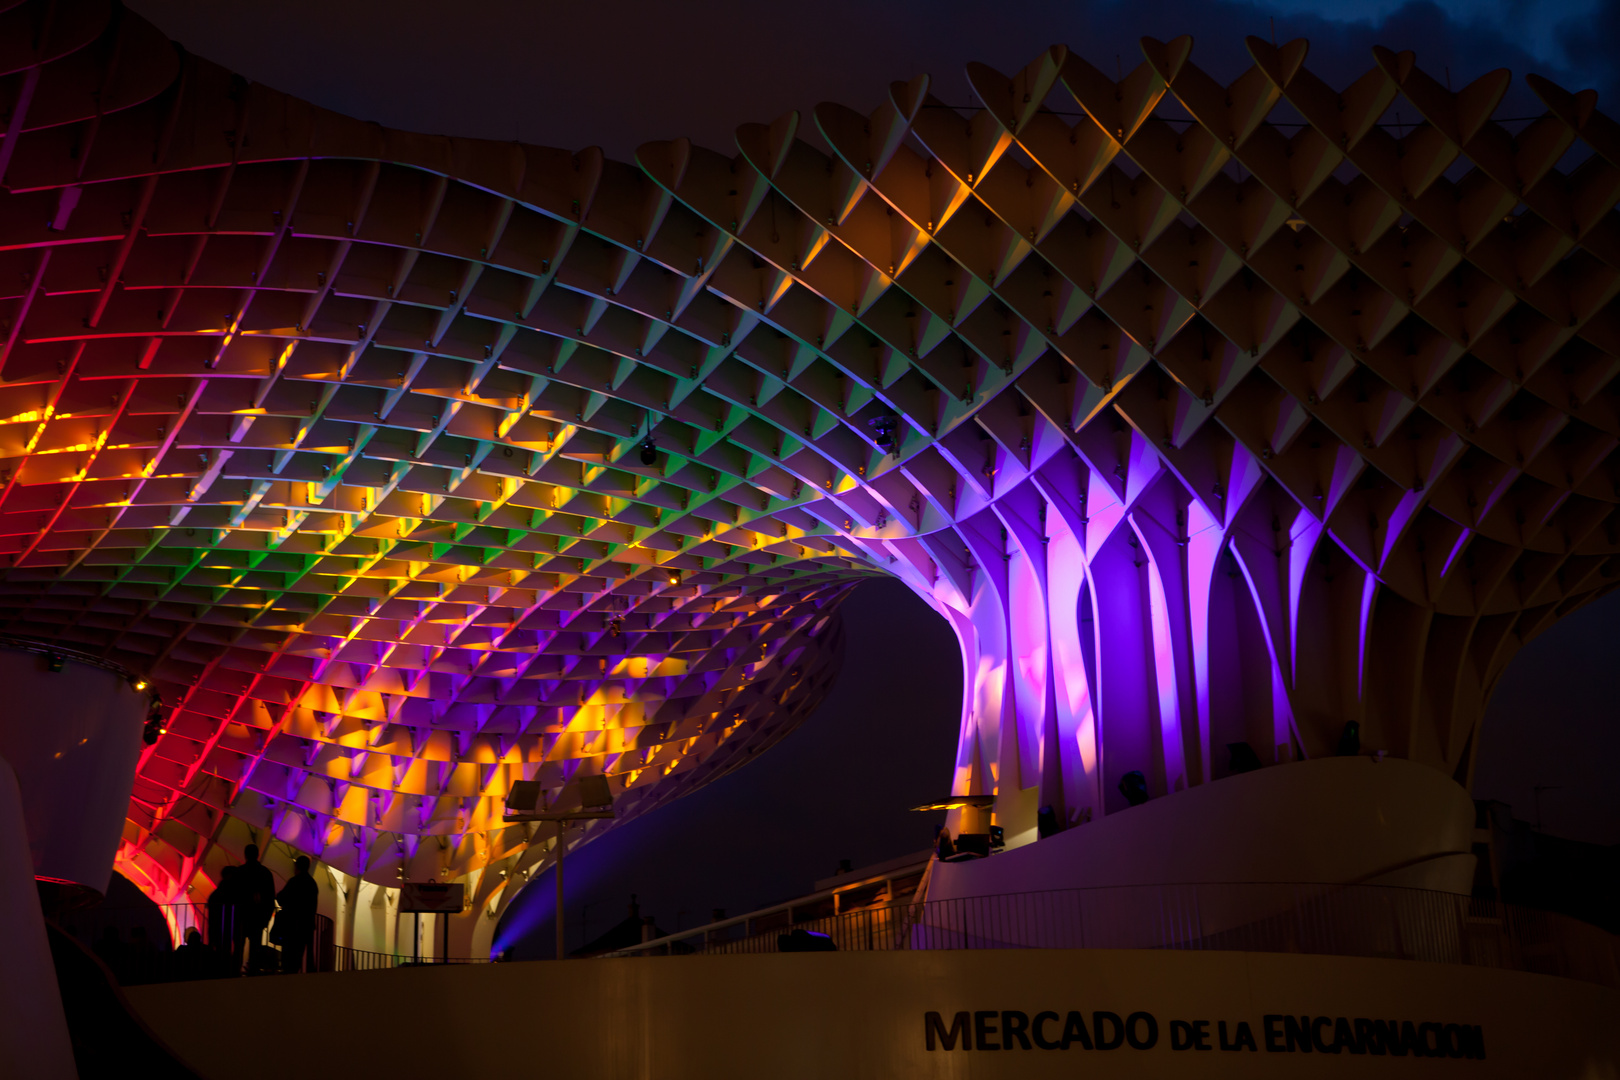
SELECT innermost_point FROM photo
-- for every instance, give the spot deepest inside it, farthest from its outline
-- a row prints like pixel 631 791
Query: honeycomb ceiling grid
pixel 884 357
pixel 266 586
pixel 1545 486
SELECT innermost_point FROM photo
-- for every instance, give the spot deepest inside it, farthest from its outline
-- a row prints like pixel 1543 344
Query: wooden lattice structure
pixel 409 466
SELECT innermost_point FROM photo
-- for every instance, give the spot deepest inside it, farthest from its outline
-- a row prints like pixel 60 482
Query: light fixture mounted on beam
pixel 526 802
pixel 957 802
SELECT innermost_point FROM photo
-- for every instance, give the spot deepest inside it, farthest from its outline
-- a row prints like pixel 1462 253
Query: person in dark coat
pixel 222 919
pixel 296 919
pixel 256 902
pixel 141 958
pixel 109 946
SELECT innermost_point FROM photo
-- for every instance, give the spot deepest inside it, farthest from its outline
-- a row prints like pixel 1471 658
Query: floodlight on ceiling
pixel 958 802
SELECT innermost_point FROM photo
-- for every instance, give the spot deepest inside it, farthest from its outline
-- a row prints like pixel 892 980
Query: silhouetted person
pixel 944 848
pixel 1046 822
pixel 141 960
pixel 296 919
pixel 1243 758
pixel 192 960
pixel 222 916
pixel 1350 739
pixel 1133 785
pixel 255 903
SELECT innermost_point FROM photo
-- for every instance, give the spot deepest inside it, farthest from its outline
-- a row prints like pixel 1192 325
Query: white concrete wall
pixel 861 1016
pixel 73 736
pixel 33 1031
pixel 1334 820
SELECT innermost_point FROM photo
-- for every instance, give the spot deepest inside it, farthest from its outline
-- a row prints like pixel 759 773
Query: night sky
pixel 840 787
pixel 616 75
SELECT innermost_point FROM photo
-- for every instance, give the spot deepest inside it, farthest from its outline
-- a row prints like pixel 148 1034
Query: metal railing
pixel 149 944
pixel 803 911
pixel 346 959
pixel 1332 920
pixel 172 942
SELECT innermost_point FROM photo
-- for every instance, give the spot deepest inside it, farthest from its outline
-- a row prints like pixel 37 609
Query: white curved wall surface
pixel 1333 820
pixel 33 1031
pixel 73 737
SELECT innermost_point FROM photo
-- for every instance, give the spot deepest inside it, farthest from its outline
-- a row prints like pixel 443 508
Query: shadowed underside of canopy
pixel 413 466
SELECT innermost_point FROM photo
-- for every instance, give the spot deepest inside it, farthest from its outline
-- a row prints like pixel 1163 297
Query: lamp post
pixel 526 802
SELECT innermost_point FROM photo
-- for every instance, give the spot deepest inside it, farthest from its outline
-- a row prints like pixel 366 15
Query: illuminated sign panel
pixel 1283 1033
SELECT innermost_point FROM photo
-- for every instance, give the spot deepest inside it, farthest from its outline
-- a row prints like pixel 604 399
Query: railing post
pixel 1198 914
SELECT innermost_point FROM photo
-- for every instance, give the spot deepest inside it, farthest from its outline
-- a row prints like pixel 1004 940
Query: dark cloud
pixel 619 74
pixel 1592 45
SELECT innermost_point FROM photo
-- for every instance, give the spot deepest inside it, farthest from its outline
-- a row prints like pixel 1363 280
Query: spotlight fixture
pixel 674 578
pixel 1133 785
pixel 883 429
pixel 649 452
pixel 154 725
pixel 140 684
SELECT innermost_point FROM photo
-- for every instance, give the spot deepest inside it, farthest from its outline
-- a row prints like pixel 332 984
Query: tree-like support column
pixel 1130 624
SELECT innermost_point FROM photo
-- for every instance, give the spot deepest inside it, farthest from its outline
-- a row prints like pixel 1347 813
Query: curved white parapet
pixel 73 737
pixel 864 1015
pixel 1331 821
pixel 34 1039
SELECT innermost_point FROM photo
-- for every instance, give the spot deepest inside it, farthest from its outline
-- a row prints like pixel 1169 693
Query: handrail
pixel 711 928
pixel 347 959
pixel 726 924
pixel 158 950
pixel 36 645
pixel 154 957
pixel 1321 919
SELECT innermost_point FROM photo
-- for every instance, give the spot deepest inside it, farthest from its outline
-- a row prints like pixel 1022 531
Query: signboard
pixel 427 896
pixel 1281 1033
